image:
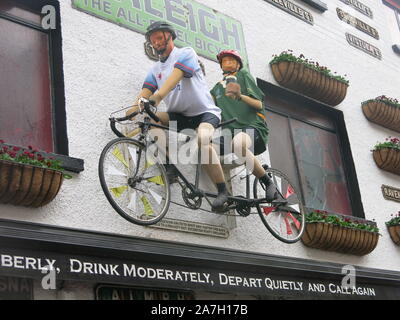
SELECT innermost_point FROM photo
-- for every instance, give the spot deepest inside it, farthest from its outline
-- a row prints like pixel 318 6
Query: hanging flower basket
pixel 332 233
pixel 393 226
pixel 27 178
pixel 27 185
pixel 387 155
pixel 394 232
pixel 383 111
pixel 309 78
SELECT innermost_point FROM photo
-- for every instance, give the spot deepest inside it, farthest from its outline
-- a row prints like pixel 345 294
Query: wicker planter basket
pixel 388 159
pixel 326 236
pixel 27 185
pixel 383 114
pixel 314 84
pixel 394 232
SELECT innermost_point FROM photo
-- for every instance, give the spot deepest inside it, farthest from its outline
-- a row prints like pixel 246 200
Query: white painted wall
pixel 104 66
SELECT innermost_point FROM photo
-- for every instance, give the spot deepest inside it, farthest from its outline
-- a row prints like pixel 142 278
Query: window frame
pixel 317 4
pixel 337 117
pixel 396 10
pixel 59 123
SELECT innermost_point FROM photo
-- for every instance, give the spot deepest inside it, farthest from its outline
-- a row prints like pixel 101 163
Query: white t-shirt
pixel 191 96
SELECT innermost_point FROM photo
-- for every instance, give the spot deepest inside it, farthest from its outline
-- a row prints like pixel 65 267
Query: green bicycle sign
pixel 204 29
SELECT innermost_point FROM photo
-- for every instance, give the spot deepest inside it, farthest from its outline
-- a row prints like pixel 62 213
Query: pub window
pixel 395 6
pixel 31 82
pixel 312 148
pixel 393 16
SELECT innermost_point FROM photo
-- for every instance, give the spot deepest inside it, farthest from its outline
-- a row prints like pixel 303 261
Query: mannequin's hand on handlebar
pixel 142 102
pixel 131 110
pixel 156 98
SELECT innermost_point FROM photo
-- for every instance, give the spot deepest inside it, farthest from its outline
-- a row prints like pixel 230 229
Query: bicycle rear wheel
pixel 134 181
pixel 284 217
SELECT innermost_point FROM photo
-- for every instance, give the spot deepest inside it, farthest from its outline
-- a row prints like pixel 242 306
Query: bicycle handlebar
pixel 129 117
pixel 147 107
pixel 149 111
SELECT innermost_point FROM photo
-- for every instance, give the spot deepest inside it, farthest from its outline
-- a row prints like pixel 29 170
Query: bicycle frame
pixel 275 215
pixel 238 201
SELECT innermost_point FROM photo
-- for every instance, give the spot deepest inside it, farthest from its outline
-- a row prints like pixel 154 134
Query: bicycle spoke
pixel 288 227
pixel 155 195
pixel 148 208
pixel 119 191
pixel 284 218
pixel 278 183
pixel 294 221
pixel 115 182
pixel 133 153
pixel 296 207
pixel 113 171
pixel 155 179
pixel 133 200
pixel 289 191
pixel 119 156
pixel 134 182
pixel 268 210
pixel 276 223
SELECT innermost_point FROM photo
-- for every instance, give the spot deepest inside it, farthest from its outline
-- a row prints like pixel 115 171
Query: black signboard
pixel 108 292
pixel 12 288
pixel 53 254
pixel 181 277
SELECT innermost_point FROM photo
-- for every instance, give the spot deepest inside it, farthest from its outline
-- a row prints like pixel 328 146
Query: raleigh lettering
pixel 198 26
pixel 293 9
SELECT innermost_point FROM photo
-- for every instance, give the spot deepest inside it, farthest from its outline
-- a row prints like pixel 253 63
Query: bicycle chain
pixel 220 214
pixel 217 213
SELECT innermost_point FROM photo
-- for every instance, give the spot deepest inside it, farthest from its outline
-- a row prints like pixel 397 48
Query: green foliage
pixel 389 101
pixel 392 143
pixel 31 157
pixel 289 57
pixel 395 221
pixel 347 222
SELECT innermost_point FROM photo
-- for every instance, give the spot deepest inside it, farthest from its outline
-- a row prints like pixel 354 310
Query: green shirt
pixel 246 115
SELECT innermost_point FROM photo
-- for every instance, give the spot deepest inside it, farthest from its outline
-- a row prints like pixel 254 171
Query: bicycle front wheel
pixel 284 217
pixel 134 181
